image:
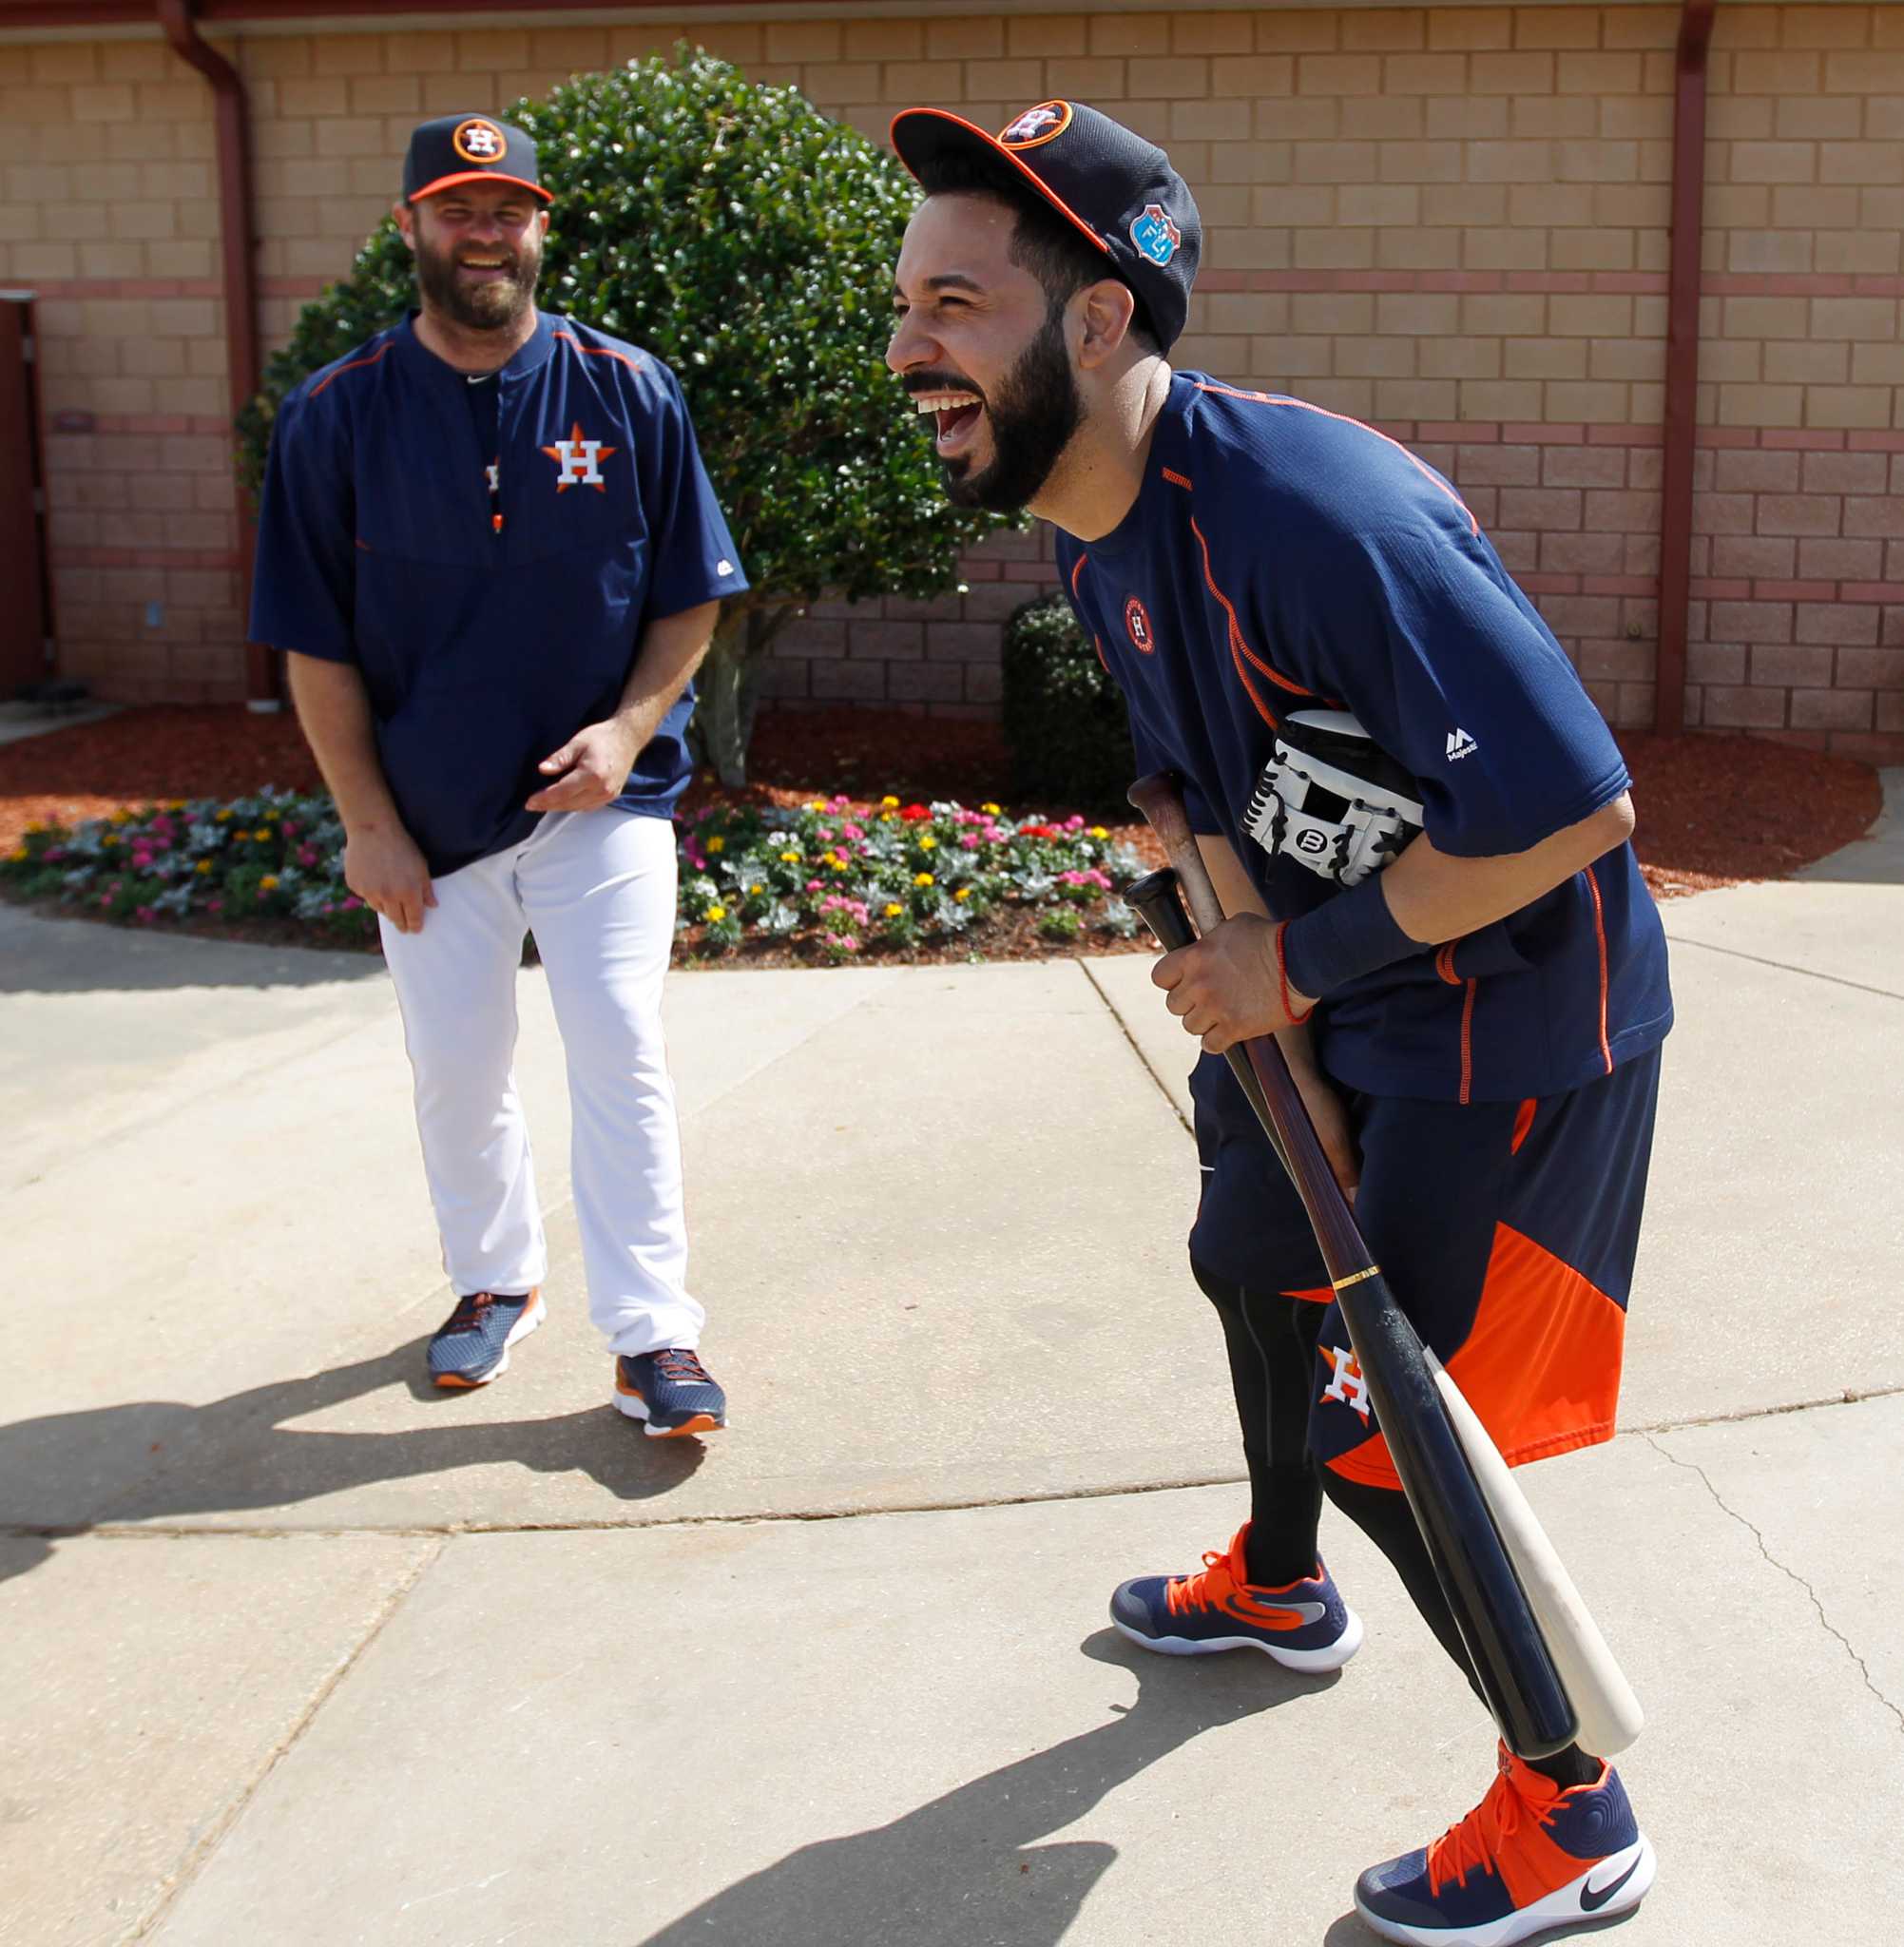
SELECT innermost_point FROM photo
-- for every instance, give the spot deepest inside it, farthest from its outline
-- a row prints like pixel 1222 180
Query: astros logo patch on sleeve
pixel 579 461
pixel 479 142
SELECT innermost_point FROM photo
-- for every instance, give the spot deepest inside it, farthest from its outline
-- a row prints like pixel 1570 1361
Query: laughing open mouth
pixel 957 413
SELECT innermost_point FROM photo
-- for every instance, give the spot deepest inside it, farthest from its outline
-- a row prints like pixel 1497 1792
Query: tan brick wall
pixel 1449 220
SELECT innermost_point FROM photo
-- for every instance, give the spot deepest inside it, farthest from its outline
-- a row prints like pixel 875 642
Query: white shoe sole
pixel 1309 1661
pixel 1631 1872
pixel 636 1408
pixel 521 1329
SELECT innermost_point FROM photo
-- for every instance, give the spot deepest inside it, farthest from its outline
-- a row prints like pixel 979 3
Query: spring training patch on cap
pixel 479 142
pixel 1043 124
pixel 1155 235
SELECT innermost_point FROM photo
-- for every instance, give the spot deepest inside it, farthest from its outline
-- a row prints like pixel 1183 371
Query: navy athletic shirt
pixel 1281 557
pixel 488 557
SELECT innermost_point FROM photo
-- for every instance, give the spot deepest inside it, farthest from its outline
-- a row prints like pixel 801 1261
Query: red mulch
pixel 1713 811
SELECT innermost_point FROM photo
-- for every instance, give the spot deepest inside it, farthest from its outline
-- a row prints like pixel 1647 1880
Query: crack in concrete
pixel 1103 992
pixel 1836 1634
pixel 1786 967
pixel 174 1885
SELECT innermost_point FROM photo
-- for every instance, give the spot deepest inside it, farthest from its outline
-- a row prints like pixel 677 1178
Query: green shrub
pixel 1064 721
pixel 748 240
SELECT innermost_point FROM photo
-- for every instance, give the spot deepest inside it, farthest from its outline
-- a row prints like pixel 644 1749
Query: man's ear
pixel 1107 308
pixel 406 221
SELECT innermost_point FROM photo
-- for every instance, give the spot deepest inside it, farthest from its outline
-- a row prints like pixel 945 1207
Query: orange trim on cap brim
pixel 477 176
pixel 997 148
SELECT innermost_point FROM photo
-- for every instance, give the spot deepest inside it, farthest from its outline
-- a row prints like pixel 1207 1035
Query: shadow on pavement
pixel 45 950
pixel 160 1438
pixel 967 1868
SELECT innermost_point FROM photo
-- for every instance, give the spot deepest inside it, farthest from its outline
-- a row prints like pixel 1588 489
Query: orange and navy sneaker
pixel 1304 1625
pixel 672 1390
pixel 472 1346
pixel 1529 1857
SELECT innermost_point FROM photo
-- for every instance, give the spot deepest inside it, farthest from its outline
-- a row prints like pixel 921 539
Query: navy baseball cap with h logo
pixel 1119 190
pixel 469 148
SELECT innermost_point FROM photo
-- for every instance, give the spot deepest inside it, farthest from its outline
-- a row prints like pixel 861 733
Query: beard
pixel 493 305
pixel 1034 412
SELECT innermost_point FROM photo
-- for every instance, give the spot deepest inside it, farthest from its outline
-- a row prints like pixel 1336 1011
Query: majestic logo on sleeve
pixel 579 461
pixel 479 142
pixel 1349 1386
pixel 1137 620
pixel 1155 235
pixel 1040 125
pixel 1459 745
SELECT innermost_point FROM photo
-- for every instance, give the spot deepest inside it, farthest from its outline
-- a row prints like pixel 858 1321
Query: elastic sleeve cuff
pixel 1343 939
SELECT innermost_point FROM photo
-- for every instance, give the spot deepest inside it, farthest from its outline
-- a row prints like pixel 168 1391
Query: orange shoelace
pixel 1479 1839
pixel 1204 1590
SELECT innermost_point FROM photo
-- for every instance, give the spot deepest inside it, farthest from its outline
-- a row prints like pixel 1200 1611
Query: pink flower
pixel 145 914
pixel 106 898
pixel 813 885
pixel 852 834
pixel 290 827
pixel 307 855
pixel 1074 823
pixel 214 905
pixel 969 842
pixel 352 905
pixel 824 835
pixel 849 942
pixel 141 860
pixel 53 853
pixel 840 803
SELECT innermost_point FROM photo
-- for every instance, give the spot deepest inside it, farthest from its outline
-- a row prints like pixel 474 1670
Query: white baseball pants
pixel 597 889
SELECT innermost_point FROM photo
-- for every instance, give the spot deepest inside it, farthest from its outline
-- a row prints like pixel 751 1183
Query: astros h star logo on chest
pixel 578 461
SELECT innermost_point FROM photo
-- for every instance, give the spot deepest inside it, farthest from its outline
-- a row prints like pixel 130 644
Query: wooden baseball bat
pixel 1491 1608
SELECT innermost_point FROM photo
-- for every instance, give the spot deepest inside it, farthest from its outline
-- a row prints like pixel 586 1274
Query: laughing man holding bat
pixel 1417 824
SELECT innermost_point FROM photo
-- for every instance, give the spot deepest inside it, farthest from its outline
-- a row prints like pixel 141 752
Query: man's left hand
pixel 1226 988
pixel 590 769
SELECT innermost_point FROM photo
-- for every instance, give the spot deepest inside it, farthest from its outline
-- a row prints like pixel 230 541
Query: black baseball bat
pixel 1506 1648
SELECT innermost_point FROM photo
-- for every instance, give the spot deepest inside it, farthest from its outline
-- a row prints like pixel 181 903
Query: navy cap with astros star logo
pixel 1117 189
pixel 467 148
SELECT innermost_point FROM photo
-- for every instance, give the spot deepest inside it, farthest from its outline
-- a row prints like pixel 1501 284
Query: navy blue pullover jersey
pixel 492 599
pixel 1281 557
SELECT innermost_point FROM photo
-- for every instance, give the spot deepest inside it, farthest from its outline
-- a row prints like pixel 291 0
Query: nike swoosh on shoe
pixel 1593 1898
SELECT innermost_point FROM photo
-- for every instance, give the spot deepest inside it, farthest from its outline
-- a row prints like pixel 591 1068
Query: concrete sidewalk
pixel 296 1651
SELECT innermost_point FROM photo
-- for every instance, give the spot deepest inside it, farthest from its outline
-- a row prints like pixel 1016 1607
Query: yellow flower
pixel 886 817
pixel 204 865
pixel 717 844
pixel 224 816
pixel 894 911
pixel 267 885
pixel 121 817
pixel 17 854
pixel 989 810
pixel 927 843
pixel 241 837
pixel 34 825
pixel 963 893
pixel 837 865
pixel 790 857
pixel 924 879
pixel 816 804
pixel 1099 832
pixel 889 801
pixel 715 914
pixel 175 804
pixel 264 838
pixel 109 838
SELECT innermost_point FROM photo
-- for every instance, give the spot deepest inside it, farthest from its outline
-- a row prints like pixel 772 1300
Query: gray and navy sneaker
pixel 672 1390
pixel 472 1346
pixel 1304 1625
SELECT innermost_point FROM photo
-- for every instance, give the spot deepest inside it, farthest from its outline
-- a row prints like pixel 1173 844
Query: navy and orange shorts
pixel 1507 1231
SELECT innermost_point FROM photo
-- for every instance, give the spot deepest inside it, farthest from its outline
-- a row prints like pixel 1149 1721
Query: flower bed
pixel 829 879
pixel 846 879
pixel 274 855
